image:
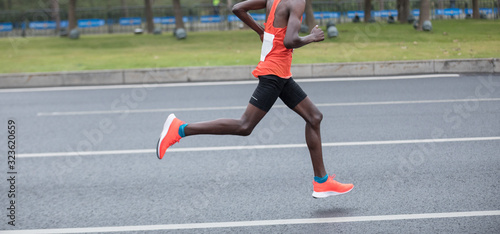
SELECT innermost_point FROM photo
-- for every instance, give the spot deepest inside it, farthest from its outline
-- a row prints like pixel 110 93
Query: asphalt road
pixel 427 147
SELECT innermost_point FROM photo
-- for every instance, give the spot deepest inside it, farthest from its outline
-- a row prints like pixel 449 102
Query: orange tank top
pixel 275 58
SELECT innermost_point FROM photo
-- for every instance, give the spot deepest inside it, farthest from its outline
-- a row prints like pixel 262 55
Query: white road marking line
pixel 141 111
pixel 256 147
pixel 409 102
pixel 190 84
pixel 170 110
pixel 253 223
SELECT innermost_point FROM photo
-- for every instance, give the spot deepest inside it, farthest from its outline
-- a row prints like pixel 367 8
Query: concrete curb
pixel 189 74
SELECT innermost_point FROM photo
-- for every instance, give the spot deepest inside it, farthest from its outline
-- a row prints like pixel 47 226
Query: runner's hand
pixel 318 34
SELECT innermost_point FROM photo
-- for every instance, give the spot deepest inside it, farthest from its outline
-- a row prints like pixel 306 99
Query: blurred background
pixel 49 17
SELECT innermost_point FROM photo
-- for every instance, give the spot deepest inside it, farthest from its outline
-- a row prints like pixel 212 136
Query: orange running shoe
pixel 169 135
pixel 330 188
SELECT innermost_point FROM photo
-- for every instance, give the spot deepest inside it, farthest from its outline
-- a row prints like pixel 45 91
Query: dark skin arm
pixel 294 7
pixel 241 11
pixel 292 38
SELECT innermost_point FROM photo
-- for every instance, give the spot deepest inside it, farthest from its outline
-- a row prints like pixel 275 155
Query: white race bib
pixel 267 45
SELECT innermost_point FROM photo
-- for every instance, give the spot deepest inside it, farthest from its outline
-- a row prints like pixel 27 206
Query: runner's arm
pixel 292 38
pixel 241 11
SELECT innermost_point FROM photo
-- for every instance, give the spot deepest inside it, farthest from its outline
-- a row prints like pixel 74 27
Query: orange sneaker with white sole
pixel 330 187
pixel 169 135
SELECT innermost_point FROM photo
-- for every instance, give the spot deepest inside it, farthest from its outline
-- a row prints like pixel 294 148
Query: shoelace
pixel 337 183
pixel 173 142
pixel 334 181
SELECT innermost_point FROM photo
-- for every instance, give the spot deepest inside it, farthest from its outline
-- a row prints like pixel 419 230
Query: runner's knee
pixel 315 118
pixel 245 129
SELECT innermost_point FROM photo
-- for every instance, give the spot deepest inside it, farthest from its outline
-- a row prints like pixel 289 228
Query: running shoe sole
pixel 328 194
pixel 166 126
pixel 158 149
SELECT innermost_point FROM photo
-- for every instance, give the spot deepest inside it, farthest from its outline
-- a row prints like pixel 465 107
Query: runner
pixel 280 37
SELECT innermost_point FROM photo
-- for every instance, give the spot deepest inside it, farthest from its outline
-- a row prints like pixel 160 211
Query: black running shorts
pixel 271 87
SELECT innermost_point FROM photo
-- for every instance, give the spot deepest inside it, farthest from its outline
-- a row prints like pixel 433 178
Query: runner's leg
pixel 310 113
pixel 242 126
pixel 263 98
pixel 296 99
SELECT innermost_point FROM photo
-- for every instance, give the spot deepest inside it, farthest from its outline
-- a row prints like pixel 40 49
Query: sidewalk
pixel 226 73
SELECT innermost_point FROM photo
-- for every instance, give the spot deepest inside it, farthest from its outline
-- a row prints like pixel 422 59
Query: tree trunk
pixel 179 23
pixel 310 15
pixel 230 5
pixel 148 11
pixel 9 5
pixel 441 7
pixel 398 7
pixel 381 3
pixel 425 10
pixel 368 10
pixel 475 9
pixel 403 10
pixel 124 8
pixel 72 15
pixel 406 10
pixel 498 9
pixel 55 13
